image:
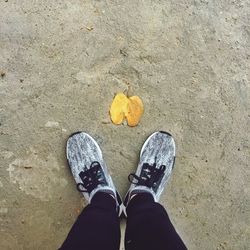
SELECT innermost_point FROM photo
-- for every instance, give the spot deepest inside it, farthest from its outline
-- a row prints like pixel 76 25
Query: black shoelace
pixel 91 178
pixel 150 176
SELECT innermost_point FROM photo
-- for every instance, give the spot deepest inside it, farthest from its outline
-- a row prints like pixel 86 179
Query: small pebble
pixel 105 121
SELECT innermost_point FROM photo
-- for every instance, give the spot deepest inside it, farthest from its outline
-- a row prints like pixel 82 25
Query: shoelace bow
pixel 149 177
pixel 91 178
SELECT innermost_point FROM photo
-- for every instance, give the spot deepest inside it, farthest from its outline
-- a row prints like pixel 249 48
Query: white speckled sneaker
pixel 89 169
pixel 157 159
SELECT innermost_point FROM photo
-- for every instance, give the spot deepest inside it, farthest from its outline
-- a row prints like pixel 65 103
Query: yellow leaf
pixel 135 111
pixel 118 108
pixel 123 107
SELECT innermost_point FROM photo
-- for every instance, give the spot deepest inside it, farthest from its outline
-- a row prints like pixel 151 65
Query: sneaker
pixel 157 159
pixel 89 169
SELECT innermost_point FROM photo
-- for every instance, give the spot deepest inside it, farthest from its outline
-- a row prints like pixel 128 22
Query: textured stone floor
pixel 61 63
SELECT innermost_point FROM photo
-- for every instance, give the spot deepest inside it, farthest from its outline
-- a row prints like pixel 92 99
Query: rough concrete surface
pixel 61 63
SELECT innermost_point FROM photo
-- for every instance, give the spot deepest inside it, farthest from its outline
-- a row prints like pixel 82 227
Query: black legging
pixel 98 226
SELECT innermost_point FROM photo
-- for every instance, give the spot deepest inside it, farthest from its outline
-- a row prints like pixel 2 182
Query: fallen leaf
pixel 135 111
pixel 118 108
pixel 123 107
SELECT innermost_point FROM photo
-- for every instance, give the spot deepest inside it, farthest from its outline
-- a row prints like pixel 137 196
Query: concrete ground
pixel 61 63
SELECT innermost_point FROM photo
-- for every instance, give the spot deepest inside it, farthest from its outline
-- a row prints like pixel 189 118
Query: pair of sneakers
pixel 91 175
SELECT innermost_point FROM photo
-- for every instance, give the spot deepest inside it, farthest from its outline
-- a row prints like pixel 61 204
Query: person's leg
pixel 97 227
pixel 149 227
